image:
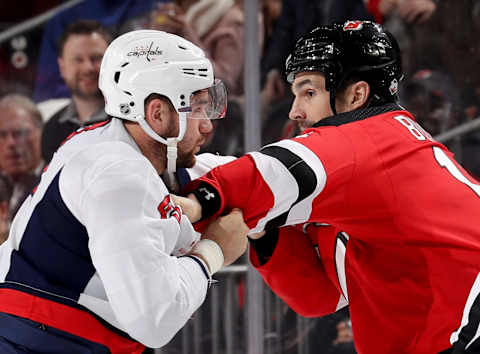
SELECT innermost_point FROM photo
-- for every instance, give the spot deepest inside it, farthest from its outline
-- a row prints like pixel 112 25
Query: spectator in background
pixel 217 26
pixel 20 158
pixel 122 15
pixel 299 17
pixel 5 195
pixel 433 99
pixel 81 49
pixel 406 19
pixel 411 11
pixel 271 11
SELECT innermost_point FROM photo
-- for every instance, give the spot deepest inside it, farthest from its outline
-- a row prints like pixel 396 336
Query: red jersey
pixel 410 213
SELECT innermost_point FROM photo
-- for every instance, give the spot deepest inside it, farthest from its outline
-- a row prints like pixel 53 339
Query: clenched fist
pixel 190 206
pixel 230 232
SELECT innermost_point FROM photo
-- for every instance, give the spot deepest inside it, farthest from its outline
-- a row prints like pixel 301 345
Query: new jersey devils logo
pixel 353 26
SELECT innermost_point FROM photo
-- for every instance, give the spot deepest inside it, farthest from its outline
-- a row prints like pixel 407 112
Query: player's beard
pixel 186 159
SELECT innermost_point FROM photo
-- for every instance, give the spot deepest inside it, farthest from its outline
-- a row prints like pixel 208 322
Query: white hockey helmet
pixel 139 63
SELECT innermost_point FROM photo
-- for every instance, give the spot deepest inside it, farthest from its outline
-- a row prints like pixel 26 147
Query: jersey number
pixel 443 160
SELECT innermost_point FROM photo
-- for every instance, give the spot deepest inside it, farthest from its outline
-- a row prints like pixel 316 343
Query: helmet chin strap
pixel 171 143
pixel 172 154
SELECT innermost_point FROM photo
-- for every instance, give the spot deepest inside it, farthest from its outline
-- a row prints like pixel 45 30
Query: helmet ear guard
pixel 339 51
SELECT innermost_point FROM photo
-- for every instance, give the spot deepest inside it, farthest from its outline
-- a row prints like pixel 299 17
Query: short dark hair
pixel 163 98
pixel 83 27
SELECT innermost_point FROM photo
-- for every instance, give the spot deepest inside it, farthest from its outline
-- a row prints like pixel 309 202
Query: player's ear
pixel 153 110
pixel 157 114
pixel 358 95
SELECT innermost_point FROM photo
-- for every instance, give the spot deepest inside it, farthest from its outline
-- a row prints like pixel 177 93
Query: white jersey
pixel 100 234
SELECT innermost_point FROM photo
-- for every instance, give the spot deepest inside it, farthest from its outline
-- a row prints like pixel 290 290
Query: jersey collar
pixel 356 115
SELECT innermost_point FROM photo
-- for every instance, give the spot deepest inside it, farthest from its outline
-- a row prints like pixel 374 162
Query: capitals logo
pixel 169 210
pixel 145 51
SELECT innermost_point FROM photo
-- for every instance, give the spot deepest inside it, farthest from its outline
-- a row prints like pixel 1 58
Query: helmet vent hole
pixel 116 77
pixel 125 64
pixel 202 69
pixel 189 71
pixel 182 47
pixel 128 93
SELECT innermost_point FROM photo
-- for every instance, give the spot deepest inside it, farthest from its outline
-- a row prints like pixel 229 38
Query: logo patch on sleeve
pixel 169 210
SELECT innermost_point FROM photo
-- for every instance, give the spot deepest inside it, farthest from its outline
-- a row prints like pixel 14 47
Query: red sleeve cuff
pixel 209 194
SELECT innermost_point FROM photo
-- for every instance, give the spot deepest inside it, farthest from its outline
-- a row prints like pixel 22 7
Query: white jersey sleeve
pixel 206 162
pixel 117 195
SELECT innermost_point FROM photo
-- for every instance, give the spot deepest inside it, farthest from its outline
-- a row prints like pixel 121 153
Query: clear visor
pixel 210 103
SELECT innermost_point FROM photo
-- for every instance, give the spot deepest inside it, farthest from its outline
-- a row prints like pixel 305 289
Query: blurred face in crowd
pixel 274 8
pixel 19 142
pixel 80 62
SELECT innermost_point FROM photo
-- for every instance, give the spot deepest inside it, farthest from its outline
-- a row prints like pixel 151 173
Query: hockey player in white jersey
pixel 99 258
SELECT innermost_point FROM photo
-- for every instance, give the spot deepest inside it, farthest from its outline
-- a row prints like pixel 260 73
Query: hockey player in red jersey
pixel 407 258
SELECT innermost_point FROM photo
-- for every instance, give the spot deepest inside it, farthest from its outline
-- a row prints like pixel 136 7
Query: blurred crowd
pixel 49 74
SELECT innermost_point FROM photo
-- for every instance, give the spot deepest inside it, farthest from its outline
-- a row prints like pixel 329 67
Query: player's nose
pixel 296 113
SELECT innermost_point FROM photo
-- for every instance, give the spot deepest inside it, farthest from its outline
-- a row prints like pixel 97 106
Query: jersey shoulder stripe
pixel 303 174
pixel 295 177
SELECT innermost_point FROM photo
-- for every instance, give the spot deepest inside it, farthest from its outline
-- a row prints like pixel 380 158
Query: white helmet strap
pixel 147 129
pixel 171 143
pixel 172 155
